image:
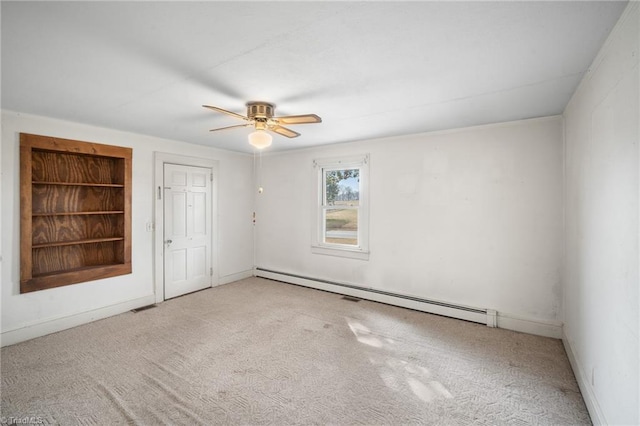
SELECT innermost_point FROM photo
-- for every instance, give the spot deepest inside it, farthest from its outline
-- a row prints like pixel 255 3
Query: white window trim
pixel 317 245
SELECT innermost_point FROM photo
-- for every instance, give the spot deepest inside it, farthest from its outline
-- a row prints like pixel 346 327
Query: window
pixel 341 214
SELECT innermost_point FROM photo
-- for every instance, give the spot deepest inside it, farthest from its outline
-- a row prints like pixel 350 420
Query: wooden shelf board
pixel 108 185
pixel 76 242
pixel 71 271
pixel 78 213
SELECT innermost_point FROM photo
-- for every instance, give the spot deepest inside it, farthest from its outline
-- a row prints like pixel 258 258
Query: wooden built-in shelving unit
pixel 75 204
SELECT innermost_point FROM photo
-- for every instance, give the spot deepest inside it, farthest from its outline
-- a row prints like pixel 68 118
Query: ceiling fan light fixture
pixel 260 139
pixel 260 116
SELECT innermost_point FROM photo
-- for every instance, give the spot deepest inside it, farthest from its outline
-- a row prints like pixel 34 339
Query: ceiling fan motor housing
pixel 260 110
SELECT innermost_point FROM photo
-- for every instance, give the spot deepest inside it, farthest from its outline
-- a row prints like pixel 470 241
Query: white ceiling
pixel 369 69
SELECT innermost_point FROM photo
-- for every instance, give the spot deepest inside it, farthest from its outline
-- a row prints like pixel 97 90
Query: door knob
pixel 168 242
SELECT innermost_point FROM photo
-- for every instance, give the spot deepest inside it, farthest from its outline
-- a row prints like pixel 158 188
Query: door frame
pixel 160 159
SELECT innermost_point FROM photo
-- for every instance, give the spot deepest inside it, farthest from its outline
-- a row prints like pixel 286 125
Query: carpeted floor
pixel 262 352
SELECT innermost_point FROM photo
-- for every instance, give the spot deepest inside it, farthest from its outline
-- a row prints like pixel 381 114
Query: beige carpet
pixel 262 352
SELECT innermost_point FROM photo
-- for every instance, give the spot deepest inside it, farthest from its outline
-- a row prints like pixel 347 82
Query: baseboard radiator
pixel 482 316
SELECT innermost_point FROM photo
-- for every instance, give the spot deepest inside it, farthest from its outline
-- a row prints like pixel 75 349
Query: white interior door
pixel 187 229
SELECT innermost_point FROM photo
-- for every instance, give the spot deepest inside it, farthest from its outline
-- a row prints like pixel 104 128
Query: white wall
pixel 601 278
pixel 471 216
pixel 28 315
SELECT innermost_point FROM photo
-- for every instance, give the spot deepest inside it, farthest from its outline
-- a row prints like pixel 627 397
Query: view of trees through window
pixel 342 199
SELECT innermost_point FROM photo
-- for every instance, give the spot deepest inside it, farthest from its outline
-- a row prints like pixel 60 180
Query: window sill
pixel 340 252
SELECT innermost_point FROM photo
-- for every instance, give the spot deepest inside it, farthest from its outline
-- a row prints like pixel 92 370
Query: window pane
pixel 342 187
pixel 341 226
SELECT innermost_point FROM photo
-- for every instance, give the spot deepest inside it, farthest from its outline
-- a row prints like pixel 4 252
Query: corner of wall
pixel 590 400
pixel 563 262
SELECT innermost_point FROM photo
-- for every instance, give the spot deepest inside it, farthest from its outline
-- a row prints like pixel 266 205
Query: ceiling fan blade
pixel 299 119
pixel 224 111
pixel 284 131
pixel 230 127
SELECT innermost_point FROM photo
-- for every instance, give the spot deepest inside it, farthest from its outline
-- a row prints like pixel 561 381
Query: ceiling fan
pixel 260 116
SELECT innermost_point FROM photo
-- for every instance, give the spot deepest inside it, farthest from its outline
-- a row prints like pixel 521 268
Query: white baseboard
pixel 530 326
pixel 235 277
pixel 483 316
pixel 367 294
pixel 31 331
pixel 590 400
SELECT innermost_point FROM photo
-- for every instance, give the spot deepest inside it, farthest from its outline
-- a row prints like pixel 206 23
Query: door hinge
pixel 211 271
pixel 211 177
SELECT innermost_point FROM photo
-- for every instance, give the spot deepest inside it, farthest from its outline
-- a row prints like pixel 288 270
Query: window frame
pixel 318 245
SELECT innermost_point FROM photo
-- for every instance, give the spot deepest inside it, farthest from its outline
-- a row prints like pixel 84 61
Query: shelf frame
pixel 86 154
